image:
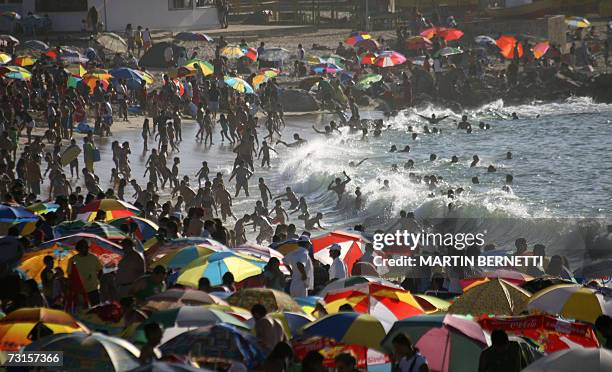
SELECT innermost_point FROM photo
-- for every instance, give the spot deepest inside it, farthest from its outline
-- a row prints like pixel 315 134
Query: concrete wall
pixel 148 13
pixel 551 28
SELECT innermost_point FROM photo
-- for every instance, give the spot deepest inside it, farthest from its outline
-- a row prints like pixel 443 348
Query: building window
pixel 180 4
pixel 61 6
pixel 204 3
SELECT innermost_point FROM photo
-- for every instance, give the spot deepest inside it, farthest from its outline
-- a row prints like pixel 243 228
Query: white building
pixel 68 15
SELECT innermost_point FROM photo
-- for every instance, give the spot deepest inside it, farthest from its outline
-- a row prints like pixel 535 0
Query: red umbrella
pixel 389 59
pixel 351 245
pixel 506 44
pixel 540 49
pixel 251 53
pixel 368 44
pixel 368 58
pixel 448 34
pixel 356 37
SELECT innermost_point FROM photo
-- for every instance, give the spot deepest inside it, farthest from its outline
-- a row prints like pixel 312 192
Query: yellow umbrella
pixel 25 61
pixel 5 58
pixel 32 264
pixel 571 301
pixel 259 79
pixel 232 51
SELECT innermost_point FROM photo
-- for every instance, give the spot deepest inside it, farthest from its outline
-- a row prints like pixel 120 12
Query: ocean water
pixel 561 168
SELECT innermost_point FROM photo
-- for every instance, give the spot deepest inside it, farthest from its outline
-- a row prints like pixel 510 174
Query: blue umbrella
pixel 16 214
pixel 125 73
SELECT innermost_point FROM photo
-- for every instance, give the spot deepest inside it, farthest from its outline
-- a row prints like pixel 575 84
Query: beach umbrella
pixel 540 49
pixel 308 303
pixel 11 15
pixel 16 214
pixel 17 326
pixel 177 297
pixel 25 61
pixel 215 265
pixel 507 44
pixel 112 42
pixel 369 44
pixel 496 296
pixel 5 58
pixel 388 304
pixel 182 257
pixel 100 73
pixel 389 59
pixel 108 252
pixel 538 284
pixel 448 34
pixel 577 22
pixel 145 76
pixel 114 209
pixel 239 85
pixel 32 263
pixel 572 302
pixel 272 300
pixel 73 81
pixel 270 71
pixel 418 42
pixel 352 281
pixel 356 37
pixel 259 79
pixel 88 352
pixel 552 333
pixel 158 366
pixel 274 54
pixel 447 51
pixel 91 82
pixel 571 360
pixel 141 228
pixel 450 343
pixel 325 68
pixel 125 73
pixel 9 39
pixel 334 59
pixel 432 304
pixel 194 37
pixel 351 247
pixel 262 253
pixel 219 341
pixel 313 60
pixel 366 81
pixel 232 52
pixel 292 322
pixel 195 64
pixel 156 249
pixel 36 45
pixel 251 53
pixel 100 229
pixel 484 40
pixel 512 276
pixel 15 72
pixel 350 328
pixel 72 56
pixel 192 316
pixel 42 208
pixel 368 58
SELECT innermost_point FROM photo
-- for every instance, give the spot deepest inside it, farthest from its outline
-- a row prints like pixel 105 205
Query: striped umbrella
pixel 351 247
pixel 432 304
pixel 100 229
pixel 157 249
pixel 142 228
pixel 450 343
pixel 113 208
pixel 108 252
pixel 349 328
pixel 292 322
pixel 571 301
pixel 388 304
pixel 145 76
pixel 232 52
pixel 577 22
pixel 5 58
pixel 259 79
pixel 251 53
pixel 352 281
pixel 25 61
pixel 369 44
pixel 263 253
pixel 15 72
pixel 205 66
pixel 177 297
pixel 356 37
pixel 273 300
pixel 184 256
pixel 368 58
pixel 389 59
pixel 448 34
pixel 270 71
pixel 32 264
pixel 215 265
pixel 92 81
pixel 239 85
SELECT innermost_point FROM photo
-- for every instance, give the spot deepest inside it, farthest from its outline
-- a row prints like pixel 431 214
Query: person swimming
pixel 475 161
pixel 433 119
pixel 491 169
pixel 464 124
pixel 409 164
pixel 514 116
pixel 415 136
pixel 454 159
pixel 298 141
pixel 433 157
pixel 405 149
pixel 508 155
pixel 393 148
pixel 353 164
pixel 475 181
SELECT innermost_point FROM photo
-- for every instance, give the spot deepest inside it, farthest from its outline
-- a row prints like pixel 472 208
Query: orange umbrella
pixel 448 34
pixel 540 49
pixel 506 44
pixel 91 83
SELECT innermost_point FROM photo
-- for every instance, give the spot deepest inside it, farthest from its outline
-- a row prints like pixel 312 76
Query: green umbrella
pixel 366 81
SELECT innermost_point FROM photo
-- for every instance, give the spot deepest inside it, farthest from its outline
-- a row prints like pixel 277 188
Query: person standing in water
pixel 339 187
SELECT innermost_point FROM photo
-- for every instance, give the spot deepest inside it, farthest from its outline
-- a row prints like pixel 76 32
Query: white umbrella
pixel 484 40
pixel 275 54
pixel 572 360
pixel 112 42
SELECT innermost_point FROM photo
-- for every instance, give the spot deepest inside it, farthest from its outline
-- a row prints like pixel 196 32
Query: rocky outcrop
pixel 298 100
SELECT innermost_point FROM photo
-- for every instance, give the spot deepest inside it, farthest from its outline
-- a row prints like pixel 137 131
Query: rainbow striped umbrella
pixel 356 37
pixel 195 64
pixel 572 301
pixel 142 228
pixel 108 252
pixel 157 248
pixel 184 256
pixel 389 59
pixel 42 208
pixel 239 85
pixel 350 328
pixel 251 53
pixel 113 208
pixel 215 265
pixel 232 52
pixel 25 61
pixel 15 72
pixel 97 228
pixel 32 264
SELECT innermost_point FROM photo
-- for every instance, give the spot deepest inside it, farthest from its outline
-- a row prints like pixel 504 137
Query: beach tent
pixel 154 57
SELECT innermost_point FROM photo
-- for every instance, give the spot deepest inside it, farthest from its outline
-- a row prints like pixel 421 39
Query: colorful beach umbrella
pixel 159 248
pixel 448 34
pixel 73 81
pixel 540 49
pixel 274 54
pixel 215 265
pixel 239 85
pixel 92 81
pixel 449 342
pixel 145 76
pixel 447 51
pixel 25 61
pixel 571 302
pixel 496 296
pixel 507 44
pixel 352 281
pixel 177 297
pixel 141 228
pixel 251 53
pixel 114 209
pixel 366 81
pixel 387 303
pixel 181 258
pixel 15 214
pixel 88 352
pixel 204 66
pixel 112 42
pixel 15 72
pixel 17 327
pixel 369 45
pixel 272 300
pixel 270 71
pixel 356 37
pixel 5 58
pixel 262 253
pixel 368 58
pixel 97 228
pixel 351 247
pixel 232 52
pixel 325 68
pixel 389 59
pixel 108 252
pixel 32 263
pixel 350 328
pixel 292 322
pixel 42 208
pixel 577 22
pixel 432 304
pixel 259 79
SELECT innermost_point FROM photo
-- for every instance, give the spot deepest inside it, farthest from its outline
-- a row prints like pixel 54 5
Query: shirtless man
pixel 406 221
pixel 433 119
pixel 327 132
pixel 264 191
pixel 291 198
pixel 242 175
pixel 338 186
pixel 310 223
pixel 265 150
pixel 240 231
pixel 298 141
pixel 464 124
